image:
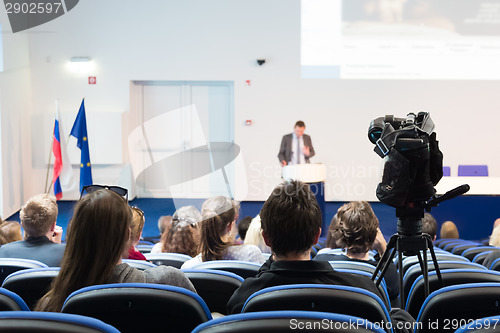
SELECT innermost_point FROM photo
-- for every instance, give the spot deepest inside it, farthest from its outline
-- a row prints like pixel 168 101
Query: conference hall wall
pixel 220 41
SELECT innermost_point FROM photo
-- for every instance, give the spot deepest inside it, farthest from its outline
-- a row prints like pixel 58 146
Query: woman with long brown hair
pixel 98 235
pixel 217 234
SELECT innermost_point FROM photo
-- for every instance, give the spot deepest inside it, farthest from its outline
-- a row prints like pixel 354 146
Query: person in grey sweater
pixel 98 236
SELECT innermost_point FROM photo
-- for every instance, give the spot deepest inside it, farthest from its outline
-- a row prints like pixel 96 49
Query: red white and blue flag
pixel 58 162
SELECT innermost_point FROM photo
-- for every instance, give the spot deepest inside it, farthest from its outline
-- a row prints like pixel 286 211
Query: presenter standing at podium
pixel 296 147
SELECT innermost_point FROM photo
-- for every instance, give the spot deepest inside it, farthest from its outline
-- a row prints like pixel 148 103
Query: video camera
pixel 413 161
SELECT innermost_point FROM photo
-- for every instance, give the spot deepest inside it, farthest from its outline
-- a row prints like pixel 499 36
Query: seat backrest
pixel 495 266
pixel 415 271
pixel 214 287
pixel 242 268
pixel 382 287
pixel 450 246
pixel 480 257
pixel 443 241
pixel 140 307
pixel 485 324
pixel 472 252
pixel 45 322
pixel 167 259
pixel 459 304
pixel 319 297
pixel 11 265
pixel 10 301
pixel 354 265
pixel 31 284
pixel 490 257
pixel 144 248
pixel 286 321
pixel 450 277
pixel 459 249
pixel 139 264
pixel 413 260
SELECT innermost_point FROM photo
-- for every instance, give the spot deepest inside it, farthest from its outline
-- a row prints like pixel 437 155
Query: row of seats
pixel 133 307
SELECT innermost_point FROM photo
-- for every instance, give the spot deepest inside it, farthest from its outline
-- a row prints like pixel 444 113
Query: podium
pixel 313 174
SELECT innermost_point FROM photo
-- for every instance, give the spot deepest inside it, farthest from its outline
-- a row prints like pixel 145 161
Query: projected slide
pixel 401 39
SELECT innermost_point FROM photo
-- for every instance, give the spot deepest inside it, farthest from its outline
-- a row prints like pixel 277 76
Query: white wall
pixel 221 40
pixel 15 107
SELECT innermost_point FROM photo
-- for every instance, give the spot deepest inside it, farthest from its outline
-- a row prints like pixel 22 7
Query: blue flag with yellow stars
pixel 79 131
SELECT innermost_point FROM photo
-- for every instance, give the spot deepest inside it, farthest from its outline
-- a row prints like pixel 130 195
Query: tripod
pixel 410 241
pixel 408 245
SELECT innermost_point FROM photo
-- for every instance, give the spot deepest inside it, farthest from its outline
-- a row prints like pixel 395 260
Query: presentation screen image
pixel 400 39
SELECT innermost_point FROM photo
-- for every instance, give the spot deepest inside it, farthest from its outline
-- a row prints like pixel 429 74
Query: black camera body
pixel 413 161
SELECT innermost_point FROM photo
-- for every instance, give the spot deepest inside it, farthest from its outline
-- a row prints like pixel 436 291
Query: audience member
pixel 183 235
pixel 135 235
pixel 243 227
pixel 357 231
pixel 218 234
pixel 163 223
pixel 495 236
pixel 486 241
pixel 449 230
pixel 331 240
pixel 291 223
pixel 98 234
pixel 10 231
pixel 38 219
pixel 254 235
pixel 429 226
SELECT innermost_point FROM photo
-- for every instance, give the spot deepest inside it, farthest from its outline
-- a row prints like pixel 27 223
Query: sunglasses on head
pixel 123 192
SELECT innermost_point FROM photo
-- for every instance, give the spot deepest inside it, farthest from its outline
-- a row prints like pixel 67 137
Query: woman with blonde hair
pixel 135 235
pixel 98 235
pixel 217 234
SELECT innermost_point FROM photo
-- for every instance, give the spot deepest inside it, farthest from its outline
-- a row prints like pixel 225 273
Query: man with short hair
pixel 429 226
pixel 38 219
pixel 296 147
pixel 291 224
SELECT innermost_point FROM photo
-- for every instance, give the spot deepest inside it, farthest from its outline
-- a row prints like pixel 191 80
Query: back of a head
pixel 254 235
pixel 495 237
pixel 357 226
pixel 429 225
pixel 164 223
pixel 291 218
pixel 243 226
pixel 98 233
pixel 449 230
pixel 38 214
pixel 217 214
pixel 10 231
pixel 183 234
pixel 331 237
pixel 137 224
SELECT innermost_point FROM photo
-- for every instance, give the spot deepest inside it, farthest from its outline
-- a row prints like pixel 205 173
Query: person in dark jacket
pixel 291 224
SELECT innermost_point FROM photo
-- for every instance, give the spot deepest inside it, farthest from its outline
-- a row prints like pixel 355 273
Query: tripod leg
pixel 434 259
pixel 402 302
pixel 386 258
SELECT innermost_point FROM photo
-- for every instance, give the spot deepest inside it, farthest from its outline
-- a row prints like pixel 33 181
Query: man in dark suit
pixel 38 219
pixel 296 147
